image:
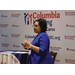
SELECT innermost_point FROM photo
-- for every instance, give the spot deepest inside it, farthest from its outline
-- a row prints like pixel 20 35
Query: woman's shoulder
pixel 43 34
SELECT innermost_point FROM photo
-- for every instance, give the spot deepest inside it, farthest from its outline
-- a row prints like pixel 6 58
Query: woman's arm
pixel 35 48
pixel 43 45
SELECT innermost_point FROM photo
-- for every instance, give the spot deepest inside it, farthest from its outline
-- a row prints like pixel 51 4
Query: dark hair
pixel 42 24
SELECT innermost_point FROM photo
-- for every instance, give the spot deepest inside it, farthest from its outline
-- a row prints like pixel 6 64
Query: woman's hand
pixel 25 47
pixel 27 42
pixel 35 48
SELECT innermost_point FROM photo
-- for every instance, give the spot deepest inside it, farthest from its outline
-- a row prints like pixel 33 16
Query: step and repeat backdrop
pixel 17 25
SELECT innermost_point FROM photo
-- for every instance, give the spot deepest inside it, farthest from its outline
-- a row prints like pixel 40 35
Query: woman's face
pixel 37 28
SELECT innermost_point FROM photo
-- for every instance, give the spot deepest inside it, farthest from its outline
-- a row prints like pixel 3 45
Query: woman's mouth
pixel 34 29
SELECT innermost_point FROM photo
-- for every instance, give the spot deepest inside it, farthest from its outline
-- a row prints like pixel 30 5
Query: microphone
pixel 23 45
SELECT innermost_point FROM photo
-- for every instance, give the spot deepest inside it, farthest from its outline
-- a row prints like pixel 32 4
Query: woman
pixel 40 45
